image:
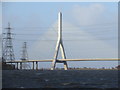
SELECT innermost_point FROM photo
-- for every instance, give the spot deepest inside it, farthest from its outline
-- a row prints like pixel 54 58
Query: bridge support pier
pixel 17 66
pixel 33 65
pixel 36 65
pixel 21 65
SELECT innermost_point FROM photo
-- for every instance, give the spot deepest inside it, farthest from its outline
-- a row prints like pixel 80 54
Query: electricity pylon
pixel 7 47
pixel 25 56
pixel 24 52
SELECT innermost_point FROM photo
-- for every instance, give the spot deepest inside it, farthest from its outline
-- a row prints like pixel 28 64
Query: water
pixel 60 79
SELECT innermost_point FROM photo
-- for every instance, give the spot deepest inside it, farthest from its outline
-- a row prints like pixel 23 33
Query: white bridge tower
pixel 59 45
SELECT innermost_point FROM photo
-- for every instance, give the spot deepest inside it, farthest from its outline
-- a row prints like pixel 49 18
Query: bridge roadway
pixel 50 60
pixel 61 60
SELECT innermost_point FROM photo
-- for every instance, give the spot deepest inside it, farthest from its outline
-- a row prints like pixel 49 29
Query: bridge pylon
pixel 59 45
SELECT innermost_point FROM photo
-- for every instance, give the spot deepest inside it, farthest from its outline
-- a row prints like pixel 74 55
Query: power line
pixel 113 38
pixel 96 32
pixel 43 27
pixel 77 25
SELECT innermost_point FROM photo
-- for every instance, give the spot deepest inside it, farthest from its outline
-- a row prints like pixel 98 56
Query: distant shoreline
pixel 12 67
pixel 61 69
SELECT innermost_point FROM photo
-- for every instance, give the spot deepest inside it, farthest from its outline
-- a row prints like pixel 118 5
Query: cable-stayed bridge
pixel 59 46
pixel 59 60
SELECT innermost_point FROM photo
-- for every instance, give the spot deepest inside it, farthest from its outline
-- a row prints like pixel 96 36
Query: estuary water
pixel 60 79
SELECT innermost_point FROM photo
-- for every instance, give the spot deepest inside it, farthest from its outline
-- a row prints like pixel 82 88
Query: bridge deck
pixel 50 60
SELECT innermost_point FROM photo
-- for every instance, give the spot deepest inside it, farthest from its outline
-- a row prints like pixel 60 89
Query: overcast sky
pixel 89 30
